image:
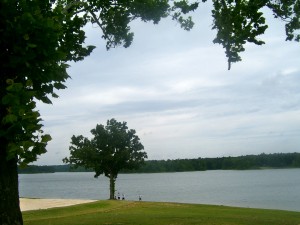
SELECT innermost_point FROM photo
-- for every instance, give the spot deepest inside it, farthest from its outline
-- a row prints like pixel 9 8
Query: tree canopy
pixel 240 21
pixel 113 148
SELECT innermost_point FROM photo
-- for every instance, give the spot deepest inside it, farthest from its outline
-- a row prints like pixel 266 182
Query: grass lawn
pixel 154 213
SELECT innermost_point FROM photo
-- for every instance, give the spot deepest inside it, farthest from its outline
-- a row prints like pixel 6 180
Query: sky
pixel 174 89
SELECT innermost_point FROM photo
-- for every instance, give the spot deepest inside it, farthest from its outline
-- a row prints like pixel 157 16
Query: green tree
pixel 240 21
pixel 39 38
pixel 114 147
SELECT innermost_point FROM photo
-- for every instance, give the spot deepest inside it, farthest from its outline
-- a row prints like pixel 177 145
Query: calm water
pixel 274 189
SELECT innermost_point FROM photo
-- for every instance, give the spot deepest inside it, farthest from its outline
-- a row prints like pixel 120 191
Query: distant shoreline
pixel 262 168
pixel 248 162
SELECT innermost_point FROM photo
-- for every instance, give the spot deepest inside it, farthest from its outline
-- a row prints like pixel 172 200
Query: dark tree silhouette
pixel 114 147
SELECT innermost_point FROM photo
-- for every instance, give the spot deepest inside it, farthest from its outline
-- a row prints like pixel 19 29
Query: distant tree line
pixel 262 161
pixel 50 169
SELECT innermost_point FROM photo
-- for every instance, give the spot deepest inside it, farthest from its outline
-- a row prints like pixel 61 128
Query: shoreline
pixel 27 204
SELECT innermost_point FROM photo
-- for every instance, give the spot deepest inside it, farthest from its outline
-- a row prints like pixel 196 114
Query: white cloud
pixel 173 87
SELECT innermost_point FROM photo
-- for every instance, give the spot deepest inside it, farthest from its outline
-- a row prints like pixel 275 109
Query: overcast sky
pixel 174 89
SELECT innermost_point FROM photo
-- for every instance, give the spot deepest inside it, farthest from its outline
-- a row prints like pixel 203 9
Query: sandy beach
pixel 35 203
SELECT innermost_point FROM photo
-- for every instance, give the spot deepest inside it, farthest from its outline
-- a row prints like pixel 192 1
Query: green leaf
pixel 10 99
pixel 21 112
pixel 54 95
pixel 9 81
pixel 10 118
pixel 28 83
pixel 15 87
pixel 59 86
pixel 46 138
pixel 27 144
pixel 26 37
pixel 31 45
pixel 13 150
pixel 46 100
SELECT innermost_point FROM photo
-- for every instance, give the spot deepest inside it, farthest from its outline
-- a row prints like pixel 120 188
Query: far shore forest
pixel 248 162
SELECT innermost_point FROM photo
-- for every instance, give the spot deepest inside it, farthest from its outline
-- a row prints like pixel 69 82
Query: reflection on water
pixel 276 189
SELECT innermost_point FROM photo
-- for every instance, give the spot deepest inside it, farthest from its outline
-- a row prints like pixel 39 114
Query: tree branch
pixel 96 20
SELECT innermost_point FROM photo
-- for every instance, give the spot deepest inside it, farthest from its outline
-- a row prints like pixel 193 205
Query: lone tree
pixel 39 37
pixel 114 147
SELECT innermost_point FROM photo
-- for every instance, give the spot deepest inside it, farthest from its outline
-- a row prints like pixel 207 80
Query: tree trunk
pixel 112 181
pixel 10 213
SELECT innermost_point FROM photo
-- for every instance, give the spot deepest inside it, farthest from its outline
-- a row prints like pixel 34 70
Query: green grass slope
pixel 154 213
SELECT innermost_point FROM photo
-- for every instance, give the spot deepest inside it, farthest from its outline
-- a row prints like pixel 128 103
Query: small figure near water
pixel 123 196
pixel 119 196
pixel 140 198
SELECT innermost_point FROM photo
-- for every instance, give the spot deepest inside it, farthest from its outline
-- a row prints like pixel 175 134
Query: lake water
pixel 273 189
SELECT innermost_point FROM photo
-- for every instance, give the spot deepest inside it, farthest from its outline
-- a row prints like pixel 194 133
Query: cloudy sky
pixel 174 89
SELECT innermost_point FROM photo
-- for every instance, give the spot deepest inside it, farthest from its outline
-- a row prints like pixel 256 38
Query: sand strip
pixel 36 203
